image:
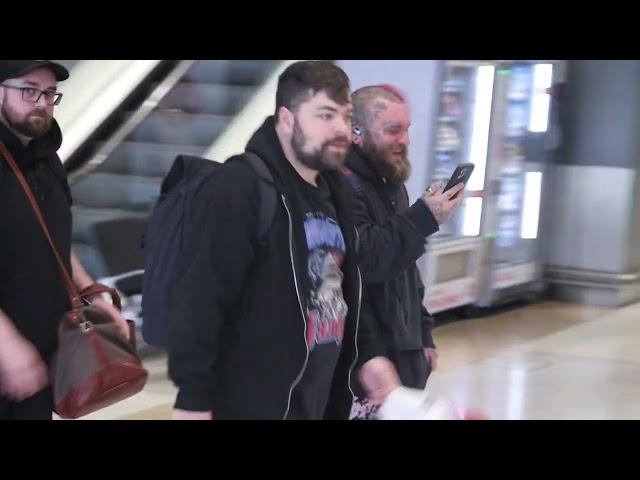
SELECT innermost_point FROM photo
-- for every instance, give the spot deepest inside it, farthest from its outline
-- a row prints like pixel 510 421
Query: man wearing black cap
pixel 32 296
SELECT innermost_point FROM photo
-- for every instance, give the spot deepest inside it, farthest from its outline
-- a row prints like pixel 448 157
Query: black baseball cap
pixel 18 68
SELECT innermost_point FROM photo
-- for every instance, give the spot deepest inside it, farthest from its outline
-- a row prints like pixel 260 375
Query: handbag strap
pixel 96 288
pixel 72 291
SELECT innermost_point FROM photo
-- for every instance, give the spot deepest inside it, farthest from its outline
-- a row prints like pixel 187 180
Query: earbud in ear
pixel 356 131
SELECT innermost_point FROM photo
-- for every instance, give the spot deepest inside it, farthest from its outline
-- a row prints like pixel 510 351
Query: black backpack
pixel 163 238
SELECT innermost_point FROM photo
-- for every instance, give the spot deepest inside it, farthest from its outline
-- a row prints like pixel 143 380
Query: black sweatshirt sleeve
pixel 427 321
pixel 389 248
pixel 369 336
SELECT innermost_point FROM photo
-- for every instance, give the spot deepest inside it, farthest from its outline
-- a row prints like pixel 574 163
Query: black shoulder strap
pixel 406 194
pixel 354 179
pixel 268 193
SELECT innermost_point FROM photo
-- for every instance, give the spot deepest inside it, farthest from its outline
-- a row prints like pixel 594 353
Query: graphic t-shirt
pixel 326 308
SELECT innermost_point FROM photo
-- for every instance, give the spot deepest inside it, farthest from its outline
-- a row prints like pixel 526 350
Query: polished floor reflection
pixel 546 361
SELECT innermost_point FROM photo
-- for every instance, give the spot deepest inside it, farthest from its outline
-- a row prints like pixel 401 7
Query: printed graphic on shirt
pixel 327 309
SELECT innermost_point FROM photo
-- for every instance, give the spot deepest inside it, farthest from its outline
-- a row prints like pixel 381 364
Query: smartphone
pixel 461 174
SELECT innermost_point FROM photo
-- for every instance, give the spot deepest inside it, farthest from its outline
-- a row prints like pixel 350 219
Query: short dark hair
pixel 302 80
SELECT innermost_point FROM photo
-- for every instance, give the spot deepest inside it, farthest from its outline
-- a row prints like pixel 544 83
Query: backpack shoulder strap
pixel 268 193
pixel 354 179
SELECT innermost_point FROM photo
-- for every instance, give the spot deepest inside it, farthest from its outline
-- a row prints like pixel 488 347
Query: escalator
pixel 125 182
pixel 181 107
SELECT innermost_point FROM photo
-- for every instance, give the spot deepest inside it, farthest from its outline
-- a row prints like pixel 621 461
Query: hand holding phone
pixel 460 175
pixel 443 204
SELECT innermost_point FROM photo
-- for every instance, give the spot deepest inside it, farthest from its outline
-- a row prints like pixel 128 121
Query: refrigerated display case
pixel 494 115
pixel 520 122
pixel 452 262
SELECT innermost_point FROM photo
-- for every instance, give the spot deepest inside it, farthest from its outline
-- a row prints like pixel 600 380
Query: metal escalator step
pixel 232 72
pixel 206 98
pixel 145 159
pixel 108 190
pixel 85 219
pixel 180 128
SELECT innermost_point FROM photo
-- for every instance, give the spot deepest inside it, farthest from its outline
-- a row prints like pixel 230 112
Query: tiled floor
pixel 546 361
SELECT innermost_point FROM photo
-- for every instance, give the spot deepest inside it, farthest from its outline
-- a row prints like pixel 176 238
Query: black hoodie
pixel 31 291
pixel 392 237
pixel 238 329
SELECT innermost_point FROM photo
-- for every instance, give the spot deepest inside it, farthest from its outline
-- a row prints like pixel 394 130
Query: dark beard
pixel 33 126
pixel 321 160
pixel 395 172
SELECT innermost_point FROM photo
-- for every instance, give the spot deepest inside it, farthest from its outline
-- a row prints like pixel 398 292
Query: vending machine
pixel 451 265
pixel 495 115
pixel 510 226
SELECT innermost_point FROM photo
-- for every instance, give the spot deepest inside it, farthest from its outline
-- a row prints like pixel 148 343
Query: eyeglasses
pixel 33 95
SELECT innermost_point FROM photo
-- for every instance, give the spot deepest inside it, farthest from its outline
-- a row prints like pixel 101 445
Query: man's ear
pixel 356 135
pixel 286 119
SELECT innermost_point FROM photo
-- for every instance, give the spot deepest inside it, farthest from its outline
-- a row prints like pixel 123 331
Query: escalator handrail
pixel 123 131
pixel 95 89
pixel 262 104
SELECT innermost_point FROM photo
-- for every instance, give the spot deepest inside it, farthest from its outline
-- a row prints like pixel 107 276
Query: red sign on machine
pixel 454 294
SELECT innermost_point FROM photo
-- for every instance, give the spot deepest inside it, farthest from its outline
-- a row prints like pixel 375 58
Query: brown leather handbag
pixel 94 366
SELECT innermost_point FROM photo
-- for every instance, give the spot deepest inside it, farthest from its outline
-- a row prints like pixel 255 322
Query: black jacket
pixel 238 327
pixel 392 237
pixel 31 292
